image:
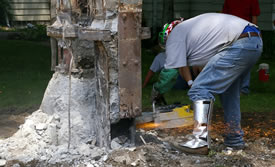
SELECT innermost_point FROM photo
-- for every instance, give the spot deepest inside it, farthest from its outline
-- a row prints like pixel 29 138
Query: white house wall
pixel 30 10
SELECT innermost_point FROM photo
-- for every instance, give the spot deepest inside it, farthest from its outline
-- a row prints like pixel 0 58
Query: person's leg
pixel 200 142
pixel 225 67
pixel 245 82
pixel 215 78
pixel 218 75
pixel 230 100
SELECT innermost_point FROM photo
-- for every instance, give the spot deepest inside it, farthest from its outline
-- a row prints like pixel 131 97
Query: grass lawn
pixel 261 98
pixel 24 73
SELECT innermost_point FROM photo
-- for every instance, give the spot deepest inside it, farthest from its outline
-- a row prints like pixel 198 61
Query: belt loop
pixel 249 34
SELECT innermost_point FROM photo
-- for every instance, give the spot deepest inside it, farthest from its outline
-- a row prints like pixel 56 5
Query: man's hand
pixel 154 94
pixel 190 83
pixel 157 97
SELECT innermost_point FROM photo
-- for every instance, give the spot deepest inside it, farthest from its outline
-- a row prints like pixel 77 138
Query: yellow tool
pixel 178 117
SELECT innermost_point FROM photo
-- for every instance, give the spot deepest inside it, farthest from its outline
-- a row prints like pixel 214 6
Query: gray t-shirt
pixel 158 62
pixel 194 41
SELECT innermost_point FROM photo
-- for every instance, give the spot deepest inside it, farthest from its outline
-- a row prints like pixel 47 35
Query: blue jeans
pixel 245 83
pixel 222 76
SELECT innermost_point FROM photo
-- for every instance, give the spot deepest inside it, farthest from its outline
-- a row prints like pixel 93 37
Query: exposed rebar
pixel 69 103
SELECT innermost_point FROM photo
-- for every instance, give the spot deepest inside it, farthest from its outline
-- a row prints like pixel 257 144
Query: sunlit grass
pixel 24 73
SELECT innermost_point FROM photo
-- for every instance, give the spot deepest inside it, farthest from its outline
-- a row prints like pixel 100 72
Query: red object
pixel 244 9
pixel 263 75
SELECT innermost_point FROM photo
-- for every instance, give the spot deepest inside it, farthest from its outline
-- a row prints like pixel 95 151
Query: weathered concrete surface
pixel 55 102
pixel 113 79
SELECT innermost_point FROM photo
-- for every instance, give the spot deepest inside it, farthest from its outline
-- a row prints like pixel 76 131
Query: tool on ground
pixel 166 116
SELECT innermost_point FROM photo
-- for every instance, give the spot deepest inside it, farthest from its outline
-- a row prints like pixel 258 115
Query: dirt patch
pixel 10 123
pixel 153 146
pixel 259 150
pixel 11 119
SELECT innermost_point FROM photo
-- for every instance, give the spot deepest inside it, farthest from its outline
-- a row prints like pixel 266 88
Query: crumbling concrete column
pixel 102 42
pixel 96 84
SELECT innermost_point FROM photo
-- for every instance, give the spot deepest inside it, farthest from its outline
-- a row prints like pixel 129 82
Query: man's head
pixel 167 29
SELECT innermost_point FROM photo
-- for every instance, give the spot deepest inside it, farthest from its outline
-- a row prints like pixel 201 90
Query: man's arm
pixel 255 11
pixel 186 74
pixel 254 20
pixel 156 66
pixel 148 78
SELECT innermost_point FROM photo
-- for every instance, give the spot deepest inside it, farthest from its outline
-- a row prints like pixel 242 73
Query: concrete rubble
pixel 36 140
pixel 36 143
pixel 32 145
pixel 53 136
pixel 2 162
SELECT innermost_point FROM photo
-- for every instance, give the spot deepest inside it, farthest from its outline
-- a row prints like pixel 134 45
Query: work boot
pixel 200 142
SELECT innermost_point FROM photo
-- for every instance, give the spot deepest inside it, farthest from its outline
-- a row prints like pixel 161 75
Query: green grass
pixel 24 73
pixel 261 98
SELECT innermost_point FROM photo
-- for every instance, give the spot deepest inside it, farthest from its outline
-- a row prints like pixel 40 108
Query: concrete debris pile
pixel 33 145
pixel 36 141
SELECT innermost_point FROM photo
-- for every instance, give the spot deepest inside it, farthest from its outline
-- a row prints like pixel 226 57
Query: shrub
pixel 34 32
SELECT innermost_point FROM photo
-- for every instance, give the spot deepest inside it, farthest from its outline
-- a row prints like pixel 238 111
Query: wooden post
pixel 129 48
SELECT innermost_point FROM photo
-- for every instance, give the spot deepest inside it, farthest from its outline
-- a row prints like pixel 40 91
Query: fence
pixel 154 14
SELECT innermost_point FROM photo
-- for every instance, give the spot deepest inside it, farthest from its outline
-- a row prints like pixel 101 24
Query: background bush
pixel 34 32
